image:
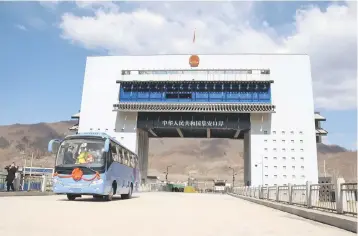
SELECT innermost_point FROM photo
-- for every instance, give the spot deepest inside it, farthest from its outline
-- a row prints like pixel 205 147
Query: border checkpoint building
pixel 265 100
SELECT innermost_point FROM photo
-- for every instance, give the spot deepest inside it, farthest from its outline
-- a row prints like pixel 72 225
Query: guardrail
pixel 29 183
pixel 339 197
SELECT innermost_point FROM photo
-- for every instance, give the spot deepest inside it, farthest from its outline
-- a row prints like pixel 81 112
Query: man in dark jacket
pixel 11 170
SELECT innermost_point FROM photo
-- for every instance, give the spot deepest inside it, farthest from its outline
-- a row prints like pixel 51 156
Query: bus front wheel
pixel 71 197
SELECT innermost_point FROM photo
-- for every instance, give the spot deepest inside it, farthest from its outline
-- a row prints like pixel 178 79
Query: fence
pixel 339 197
pixel 29 183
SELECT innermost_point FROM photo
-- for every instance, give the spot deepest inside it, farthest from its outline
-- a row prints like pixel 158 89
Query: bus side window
pixel 125 156
pixel 132 161
pixel 136 161
pixel 120 155
pixel 114 152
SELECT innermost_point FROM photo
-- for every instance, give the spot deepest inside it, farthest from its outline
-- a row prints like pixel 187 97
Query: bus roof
pixel 100 135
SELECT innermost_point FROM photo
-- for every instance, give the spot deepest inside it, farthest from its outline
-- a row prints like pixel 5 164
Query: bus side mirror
pixel 106 145
pixel 54 145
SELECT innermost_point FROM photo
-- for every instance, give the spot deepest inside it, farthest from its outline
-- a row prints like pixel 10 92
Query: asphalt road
pixel 154 214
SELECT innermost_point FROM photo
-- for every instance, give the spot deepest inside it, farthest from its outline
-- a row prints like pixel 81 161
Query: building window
pixel 302 167
pixel 283 132
pixel 301 141
pixel 275 167
pixel 294 167
pixel 275 176
pixel 302 158
pixel 284 158
pixel 265 140
pixel 275 158
pixel 292 132
pixel 266 176
pixel 284 149
pixel 292 141
pixel 266 167
pixel 274 140
pixel 284 167
pixel 292 149
pixel 301 132
pixel 301 149
pixel 285 176
pixel 275 149
pixel 293 158
pixel 293 176
pixel 273 132
pixel 283 141
pixel 265 132
pixel 265 149
pixel 302 176
pixel 266 158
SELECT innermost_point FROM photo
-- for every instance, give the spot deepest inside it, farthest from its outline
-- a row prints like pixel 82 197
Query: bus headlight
pixel 100 181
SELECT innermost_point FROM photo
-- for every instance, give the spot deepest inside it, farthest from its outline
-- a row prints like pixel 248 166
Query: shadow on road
pixel 89 199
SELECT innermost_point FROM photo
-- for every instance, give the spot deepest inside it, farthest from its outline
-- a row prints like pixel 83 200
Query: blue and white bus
pixel 94 164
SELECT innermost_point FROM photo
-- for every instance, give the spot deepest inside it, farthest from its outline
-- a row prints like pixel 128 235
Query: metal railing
pixel 349 195
pixel 323 196
pixel 338 197
pixel 298 193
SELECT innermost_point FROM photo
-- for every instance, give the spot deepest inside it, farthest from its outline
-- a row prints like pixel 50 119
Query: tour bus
pixel 94 164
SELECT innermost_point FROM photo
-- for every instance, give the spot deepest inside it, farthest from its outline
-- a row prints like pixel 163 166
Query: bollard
pixel 43 183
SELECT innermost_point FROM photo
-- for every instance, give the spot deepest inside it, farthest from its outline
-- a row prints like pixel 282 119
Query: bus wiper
pixel 87 168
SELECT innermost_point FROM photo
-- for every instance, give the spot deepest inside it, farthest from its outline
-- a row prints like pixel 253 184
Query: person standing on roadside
pixel 11 170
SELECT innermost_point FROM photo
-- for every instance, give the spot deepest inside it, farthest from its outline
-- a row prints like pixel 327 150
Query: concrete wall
pixel 279 141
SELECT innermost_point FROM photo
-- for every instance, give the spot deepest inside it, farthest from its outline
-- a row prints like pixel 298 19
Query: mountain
pixel 200 158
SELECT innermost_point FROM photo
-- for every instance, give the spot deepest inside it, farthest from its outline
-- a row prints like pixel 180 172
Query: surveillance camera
pixel 256 165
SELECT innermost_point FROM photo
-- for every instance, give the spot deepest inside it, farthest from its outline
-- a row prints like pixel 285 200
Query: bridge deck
pixel 152 214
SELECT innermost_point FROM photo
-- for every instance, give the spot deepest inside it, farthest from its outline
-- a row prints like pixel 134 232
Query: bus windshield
pixel 80 151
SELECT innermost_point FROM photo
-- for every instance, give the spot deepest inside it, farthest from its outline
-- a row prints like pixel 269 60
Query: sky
pixel 44 45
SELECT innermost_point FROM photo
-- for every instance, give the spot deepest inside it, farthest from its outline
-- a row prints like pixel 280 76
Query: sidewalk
pixel 24 193
pixel 340 221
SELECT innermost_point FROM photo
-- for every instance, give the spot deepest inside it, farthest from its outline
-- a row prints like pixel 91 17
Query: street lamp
pixel 233 176
pixel 166 173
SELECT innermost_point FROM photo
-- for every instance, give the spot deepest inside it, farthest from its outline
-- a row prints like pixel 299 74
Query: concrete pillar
pixel 289 194
pixel 247 159
pixel 17 181
pixel 44 183
pixel 277 194
pixel 341 200
pixel 143 153
pixel 308 194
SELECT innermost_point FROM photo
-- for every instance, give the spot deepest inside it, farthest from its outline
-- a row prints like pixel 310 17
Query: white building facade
pixel 279 133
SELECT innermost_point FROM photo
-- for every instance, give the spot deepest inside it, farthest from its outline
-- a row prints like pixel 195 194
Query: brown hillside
pixel 202 158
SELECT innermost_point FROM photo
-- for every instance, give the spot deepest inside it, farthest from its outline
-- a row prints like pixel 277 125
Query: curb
pixel 339 221
pixel 24 194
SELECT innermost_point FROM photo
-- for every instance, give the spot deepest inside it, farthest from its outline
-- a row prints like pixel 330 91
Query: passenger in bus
pixel 82 154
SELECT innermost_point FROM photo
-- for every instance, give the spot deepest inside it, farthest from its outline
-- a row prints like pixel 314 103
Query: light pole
pixel 233 176
pixel 166 173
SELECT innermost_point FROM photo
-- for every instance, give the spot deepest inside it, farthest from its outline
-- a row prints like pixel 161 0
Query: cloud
pixel 328 36
pixel 21 27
